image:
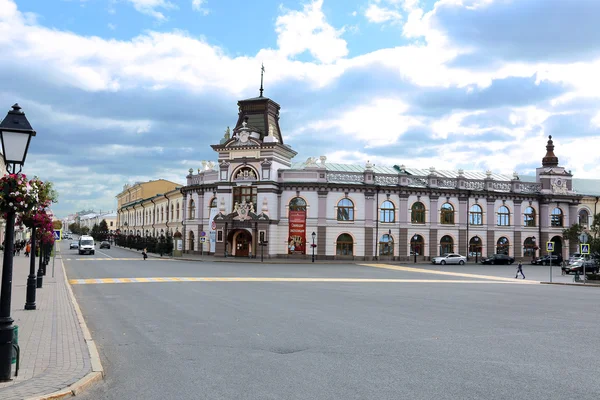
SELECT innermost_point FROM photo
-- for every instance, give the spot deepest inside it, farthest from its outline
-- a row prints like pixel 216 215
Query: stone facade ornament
pixel 243 210
pixel 264 207
pixel 323 159
pixel 311 162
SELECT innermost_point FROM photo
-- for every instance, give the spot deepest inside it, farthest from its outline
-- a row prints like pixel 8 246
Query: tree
pixel 572 233
pixel 103 229
pixel 56 224
pixel 84 230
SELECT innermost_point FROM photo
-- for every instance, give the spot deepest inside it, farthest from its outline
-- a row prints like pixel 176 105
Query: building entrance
pixel 242 242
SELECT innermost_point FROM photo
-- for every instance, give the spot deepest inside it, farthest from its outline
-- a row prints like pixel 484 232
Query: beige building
pixel 150 208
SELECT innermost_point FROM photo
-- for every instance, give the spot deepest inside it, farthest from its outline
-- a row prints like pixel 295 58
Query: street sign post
pixel 550 249
pixel 57 235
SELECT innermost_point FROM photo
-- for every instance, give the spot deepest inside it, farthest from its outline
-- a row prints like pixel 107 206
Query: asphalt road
pixel 418 336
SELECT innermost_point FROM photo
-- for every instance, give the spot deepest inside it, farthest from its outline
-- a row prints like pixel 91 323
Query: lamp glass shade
pixel 14 146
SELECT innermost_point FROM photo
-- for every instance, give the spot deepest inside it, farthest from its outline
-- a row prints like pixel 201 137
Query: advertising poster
pixel 212 231
pixel 297 237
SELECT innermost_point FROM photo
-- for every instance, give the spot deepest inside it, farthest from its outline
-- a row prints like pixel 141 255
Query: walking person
pixel 520 270
pixel 27 249
pixel 145 253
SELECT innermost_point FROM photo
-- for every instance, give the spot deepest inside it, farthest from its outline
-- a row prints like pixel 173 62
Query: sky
pixel 121 91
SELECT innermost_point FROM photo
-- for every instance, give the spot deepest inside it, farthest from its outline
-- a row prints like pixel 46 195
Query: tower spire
pixel 262 72
pixel 550 160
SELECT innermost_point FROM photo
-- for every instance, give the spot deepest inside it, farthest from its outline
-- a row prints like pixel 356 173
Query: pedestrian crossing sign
pixel 550 247
pixel 57 235
pixel 202 239
pixel 584 248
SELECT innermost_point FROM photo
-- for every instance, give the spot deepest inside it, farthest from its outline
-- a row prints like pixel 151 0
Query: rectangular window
pixel 224 175
pixel 386 215
pixel 475 218
pixel 219 236
pixel 244 193
pixel 266 174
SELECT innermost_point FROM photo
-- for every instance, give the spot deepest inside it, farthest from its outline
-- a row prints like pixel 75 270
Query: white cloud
pixel 149 7
pixel 112 27
pixel 198 5
pixel 378 15
pixel 308 30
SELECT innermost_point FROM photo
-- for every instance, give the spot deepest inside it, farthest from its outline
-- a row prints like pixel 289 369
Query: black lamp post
pixel 415 238
pixel 534 246
pixel 262 243
pixel 15 135
pixel 476 240
pixel 313 245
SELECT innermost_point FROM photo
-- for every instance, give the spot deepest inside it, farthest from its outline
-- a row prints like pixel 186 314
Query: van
pixel 86 245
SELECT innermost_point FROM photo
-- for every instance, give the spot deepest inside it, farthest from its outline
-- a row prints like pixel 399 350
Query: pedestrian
pixel 520 270
pixel 145 253
pixel 27 249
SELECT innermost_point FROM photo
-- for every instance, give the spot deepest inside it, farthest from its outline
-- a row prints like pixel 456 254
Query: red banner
pixel 297 238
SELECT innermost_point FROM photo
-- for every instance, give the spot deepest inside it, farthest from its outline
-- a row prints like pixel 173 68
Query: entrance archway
pixel 242 240
pixel 191 241
pixel 558 245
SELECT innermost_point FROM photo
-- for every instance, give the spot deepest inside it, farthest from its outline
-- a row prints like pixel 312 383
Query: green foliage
pixel 572 233
pixel 75 228
pixel 84 230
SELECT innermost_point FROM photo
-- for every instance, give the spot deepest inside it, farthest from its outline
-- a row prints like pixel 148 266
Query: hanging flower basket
pixel 23 196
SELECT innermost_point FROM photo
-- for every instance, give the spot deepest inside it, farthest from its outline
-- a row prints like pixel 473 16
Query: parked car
pixel 105 245
pixel 575 257
pixel 545 260
pixel 498 259
pixel 578 266
pixel 449 258
pixel 74 245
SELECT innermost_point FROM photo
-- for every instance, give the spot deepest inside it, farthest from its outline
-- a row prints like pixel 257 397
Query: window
pixel 447 214
pixel 417 214
pixel 213 203
pixel 246 194
pixel 502 246
pixel 345 211
pixel 297 204
pixel 529 216
pixel 529 247
pixel 386 245
pixel 191 239
pixel 503 216
pixel 417 245
pixel 162 214
pixel 344 245
pixel 192 214
pixel 556 219
pixel 172 212
pixel 475 215
pixel 583 218
pixel 387 212
pixel 177 210
pixel 475 246
pixel 446 244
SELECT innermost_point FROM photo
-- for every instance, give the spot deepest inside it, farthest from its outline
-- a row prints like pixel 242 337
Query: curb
pixel 571 284
pixel 97 373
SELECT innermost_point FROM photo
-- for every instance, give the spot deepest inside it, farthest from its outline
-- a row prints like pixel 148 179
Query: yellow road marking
pixel 447 273
pixel 266 279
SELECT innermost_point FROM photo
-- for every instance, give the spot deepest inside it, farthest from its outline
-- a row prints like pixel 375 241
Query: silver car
pixel 449 258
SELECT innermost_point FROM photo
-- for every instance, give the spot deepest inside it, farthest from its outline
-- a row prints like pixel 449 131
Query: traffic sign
pixel 583 238
pixel 202 239
pixel 550 247
pixel 584 248
pixel 202 233
pixel 57 235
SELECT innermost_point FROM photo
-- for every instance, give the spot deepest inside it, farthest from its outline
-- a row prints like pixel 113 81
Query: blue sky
pixel 121 91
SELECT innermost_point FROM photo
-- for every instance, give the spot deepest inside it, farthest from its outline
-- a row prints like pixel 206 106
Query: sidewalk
pixel 58 357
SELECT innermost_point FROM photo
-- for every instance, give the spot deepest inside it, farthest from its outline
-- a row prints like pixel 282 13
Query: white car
pixel 449 258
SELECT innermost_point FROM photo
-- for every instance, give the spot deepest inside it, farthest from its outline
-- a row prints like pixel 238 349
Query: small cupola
pixel 550 160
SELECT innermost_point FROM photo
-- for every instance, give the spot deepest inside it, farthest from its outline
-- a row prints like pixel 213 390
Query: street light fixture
pixel 15 135
pixel 415 238
pixel 313 245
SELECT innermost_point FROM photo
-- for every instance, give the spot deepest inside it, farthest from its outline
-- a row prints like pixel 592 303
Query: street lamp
pixel 534 248
pixel 262 243
pixel 15 135
pixel 415 238
pixel 476 240
pixel 313 245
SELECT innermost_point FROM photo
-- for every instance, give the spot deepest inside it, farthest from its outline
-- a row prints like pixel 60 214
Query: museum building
pixel 255 200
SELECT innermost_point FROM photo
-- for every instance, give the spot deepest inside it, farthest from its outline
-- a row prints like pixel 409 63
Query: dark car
pixel 498 259
pixel 578 266
pixel 105 245
pixel 545 260
pixel 74 245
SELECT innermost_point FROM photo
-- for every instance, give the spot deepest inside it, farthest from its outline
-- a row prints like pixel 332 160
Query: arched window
pixel 386 245
pixel 192 214
pixel 213 203
pixel 584 217
pixel 502 246
pixel 556 219
pixel 417 245
pixel 345 210
pixel 447 214
pixel 475 246
pixel 503 216
pixel 177 210
pixel 529 247
pixel 475 215
pixel 297 204
pixel 529 216
pixel 162 214
pixel 191 240
pixel 387 212
pixel 172 212
pixel 446 245
pixel 417 213
pixel 344 245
